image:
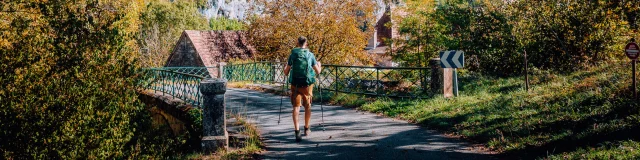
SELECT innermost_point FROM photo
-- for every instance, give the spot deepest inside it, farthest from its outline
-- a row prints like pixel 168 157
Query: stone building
pixel 209 49
pixel 377 46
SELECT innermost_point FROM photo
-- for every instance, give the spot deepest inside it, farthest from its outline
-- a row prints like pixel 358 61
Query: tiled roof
pixel 220 46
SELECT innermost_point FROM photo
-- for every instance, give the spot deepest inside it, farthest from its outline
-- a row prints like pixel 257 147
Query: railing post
pixel 436 75
pixel 214 132
pixel 255 74
pixel 335 81
pixel 423 80
pixel 272 77
pixel 377 82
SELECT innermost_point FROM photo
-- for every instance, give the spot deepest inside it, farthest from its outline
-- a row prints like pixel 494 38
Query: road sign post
pixel 632 50
pixel 633 65
pixel 452 59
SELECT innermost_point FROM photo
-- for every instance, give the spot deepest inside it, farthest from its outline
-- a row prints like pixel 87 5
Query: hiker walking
pixel 303 67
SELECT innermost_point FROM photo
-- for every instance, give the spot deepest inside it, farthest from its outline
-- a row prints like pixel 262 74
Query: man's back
pixel 301 61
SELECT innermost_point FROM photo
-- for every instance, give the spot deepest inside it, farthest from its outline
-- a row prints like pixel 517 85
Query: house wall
pixel 184 55
pixel 383 31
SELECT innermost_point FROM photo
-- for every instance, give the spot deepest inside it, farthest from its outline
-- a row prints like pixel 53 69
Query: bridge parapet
pixel 175 82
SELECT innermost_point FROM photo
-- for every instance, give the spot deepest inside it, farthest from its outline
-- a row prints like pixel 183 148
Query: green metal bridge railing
pixel 399 82
pixel 179 82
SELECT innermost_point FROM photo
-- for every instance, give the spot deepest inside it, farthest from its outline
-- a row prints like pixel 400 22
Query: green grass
pixel 342 99
pixel 559 115
pixel 608 150
pixel 253 145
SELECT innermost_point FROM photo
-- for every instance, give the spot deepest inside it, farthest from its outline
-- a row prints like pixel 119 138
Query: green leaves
pixel 557 35
pixel 223 23
pixel 162 24
pixel 66 93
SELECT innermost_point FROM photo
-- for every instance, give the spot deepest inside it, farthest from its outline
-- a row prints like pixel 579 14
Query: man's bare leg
pixel 307 113
pixel 296 112
pixel 295 102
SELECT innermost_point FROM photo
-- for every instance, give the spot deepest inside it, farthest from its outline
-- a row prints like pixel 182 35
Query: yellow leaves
pixel 331 27
pixel 47 69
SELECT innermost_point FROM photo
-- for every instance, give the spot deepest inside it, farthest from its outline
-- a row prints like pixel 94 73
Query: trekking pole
pixel 281 98
pixel 321 108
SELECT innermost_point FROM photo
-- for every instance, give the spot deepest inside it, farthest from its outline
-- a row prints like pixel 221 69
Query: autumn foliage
pixel 67 73
pixel 334 29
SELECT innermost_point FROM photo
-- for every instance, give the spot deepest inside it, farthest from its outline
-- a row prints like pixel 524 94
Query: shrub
pixel 569 35
pixel 67 78
pixel 557 35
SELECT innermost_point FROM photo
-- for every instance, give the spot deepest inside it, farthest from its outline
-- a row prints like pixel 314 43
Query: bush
pixel 568 35
pixel 67 79
pixel 557 35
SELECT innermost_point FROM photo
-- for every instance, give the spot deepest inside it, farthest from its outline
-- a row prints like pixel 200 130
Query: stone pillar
pixel 221 70
pixel 436 76
pixel 214 127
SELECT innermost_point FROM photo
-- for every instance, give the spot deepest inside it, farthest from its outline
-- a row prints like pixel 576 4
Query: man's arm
pixel 286 70
pixel 317 68
pixel 287 67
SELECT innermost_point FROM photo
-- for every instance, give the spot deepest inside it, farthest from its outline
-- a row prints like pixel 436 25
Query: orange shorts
pixel 303 94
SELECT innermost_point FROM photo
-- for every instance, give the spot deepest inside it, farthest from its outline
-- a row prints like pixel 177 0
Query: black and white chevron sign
pixel 452 59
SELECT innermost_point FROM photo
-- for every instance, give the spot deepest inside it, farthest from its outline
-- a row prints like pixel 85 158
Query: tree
pixel 162 24
pixel 421 35
pixel 557 35
pixel 332 28
pixel 222 23
pixel 67 77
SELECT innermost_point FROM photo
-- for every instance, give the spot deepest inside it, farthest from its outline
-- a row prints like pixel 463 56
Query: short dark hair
pixel 302 40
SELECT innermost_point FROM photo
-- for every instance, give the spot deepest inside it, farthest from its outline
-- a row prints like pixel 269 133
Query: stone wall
pixel 184 54
pixel 383 31
pixel 173 112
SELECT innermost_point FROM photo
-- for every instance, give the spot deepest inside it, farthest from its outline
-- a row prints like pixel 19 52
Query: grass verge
pixel 567 114
pixel 581 115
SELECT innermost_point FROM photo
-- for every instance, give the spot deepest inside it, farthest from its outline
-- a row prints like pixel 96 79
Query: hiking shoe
pixel 298 137
pixel 307 131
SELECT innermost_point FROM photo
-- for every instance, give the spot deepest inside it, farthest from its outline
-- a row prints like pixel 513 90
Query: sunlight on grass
pixel 610 150
pixel 253 145
pixel 241 84
pixel 558 111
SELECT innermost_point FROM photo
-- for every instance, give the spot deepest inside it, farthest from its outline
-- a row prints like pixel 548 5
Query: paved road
pixel 349 134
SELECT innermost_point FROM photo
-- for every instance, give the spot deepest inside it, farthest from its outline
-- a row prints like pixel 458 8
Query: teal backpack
pixel 302 73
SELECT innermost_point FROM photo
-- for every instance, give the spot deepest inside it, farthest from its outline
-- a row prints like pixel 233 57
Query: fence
pixel 404 82
pixel 401 82
pixel 271 72
pixel 179 82
pixel 206 72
